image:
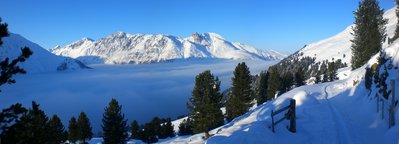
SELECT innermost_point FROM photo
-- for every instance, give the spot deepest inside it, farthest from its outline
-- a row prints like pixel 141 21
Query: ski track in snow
pixel 340 125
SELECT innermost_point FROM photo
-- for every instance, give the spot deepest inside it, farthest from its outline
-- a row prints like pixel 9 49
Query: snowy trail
pixel 341 129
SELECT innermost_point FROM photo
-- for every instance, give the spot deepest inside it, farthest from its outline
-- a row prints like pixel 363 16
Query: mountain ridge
pixel 122 48
pixel 41 60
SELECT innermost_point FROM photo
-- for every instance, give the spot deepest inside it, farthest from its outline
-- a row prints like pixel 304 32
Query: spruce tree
pixel 55 131
pixel 166 129
pixel 368 32
pixel 32 128
pixel 262 88
pixel 239 101
pixel 287 80
pixel 73 130
pixel 205 103
pixel 114 124
pixel 84 129
pixel 299 77
pixel 325 77
pixel 148 134
pixel 134 130
pixel 368 78
pixel 317 78
pixel 397 24
pixel 332 71
pixel 10 116
pixel 185 127
pixel 274 83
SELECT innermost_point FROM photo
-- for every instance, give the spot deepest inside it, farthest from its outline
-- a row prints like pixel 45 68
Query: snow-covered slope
pixel 333 112
pixel 338 46
pixel 120 48
pixel 41 59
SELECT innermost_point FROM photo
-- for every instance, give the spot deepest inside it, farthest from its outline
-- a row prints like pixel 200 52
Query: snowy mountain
pixel 338 46
pixel 121 48
pixel 41 60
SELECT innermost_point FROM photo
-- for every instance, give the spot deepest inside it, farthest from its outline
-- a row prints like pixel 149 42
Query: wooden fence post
pixel 272 121
pixel 392 106
pixel 378 101
pixel 292 116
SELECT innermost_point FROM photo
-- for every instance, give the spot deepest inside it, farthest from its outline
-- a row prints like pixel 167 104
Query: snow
pixel 145 91
pixel 333 112
pixel 120 48
pixel 40 61
pixel 336 46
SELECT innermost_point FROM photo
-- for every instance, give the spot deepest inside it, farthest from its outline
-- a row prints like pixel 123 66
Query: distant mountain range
pixel 123 48
pixel 41 59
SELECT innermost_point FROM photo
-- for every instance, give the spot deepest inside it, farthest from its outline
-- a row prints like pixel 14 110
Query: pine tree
pixel 134 129
pixel 317 78
pixel 10 116
pixel 32 128
pixel 274 83
pixel 73 130
pixel 368 32
pixel 299 78
pixel 205 103
pixel 8 69
pixel 55 131
pixel 368 78
pixel 185 127
pixel 325 77
pixel 114 124
pixel 239 101
pixel 84 129
pixel 166 129
pixel 262 88
pixel 332 71
pixel 148 134
pixel 397 25
pixel 287 80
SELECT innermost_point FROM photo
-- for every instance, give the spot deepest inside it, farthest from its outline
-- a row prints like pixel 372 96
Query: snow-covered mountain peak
pixel 41 60
pixel 121 47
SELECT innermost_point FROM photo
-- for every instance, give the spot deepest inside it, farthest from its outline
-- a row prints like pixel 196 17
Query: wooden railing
pixel 289 115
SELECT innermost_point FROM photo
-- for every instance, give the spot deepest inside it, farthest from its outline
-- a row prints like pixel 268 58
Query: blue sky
pixel 282 25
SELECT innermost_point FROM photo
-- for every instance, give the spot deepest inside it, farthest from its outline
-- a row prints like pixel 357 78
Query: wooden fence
pixel 290 115
pixel 387 106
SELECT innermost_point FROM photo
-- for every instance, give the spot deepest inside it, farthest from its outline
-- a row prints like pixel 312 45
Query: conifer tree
pixel 274 83
pixel 148 134
pixel 397 25
pixel 185 127
pixel 73 130
pixel 368 32
pixel 262 88
pixel 325 77
pixel 299 78
pixel 134 129
pixel 32 128
pixel 239 101
pixel 287 80
pixel 205 103
pixel 114 124
pixel 167 129
pixel 10 116
pixel 7 68
pixel 332 71
pixel 368 78
pixel 84 129
pixel 317 78
pixel 55 131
